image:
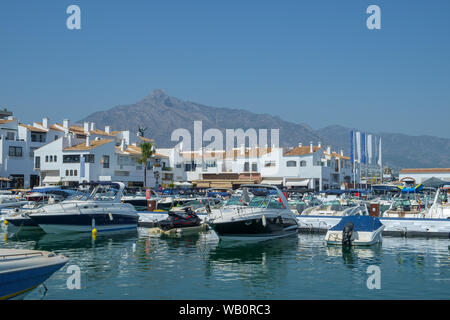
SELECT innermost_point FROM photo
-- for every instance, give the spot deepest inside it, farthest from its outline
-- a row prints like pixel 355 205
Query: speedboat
pixel 102 210
pixel 23 270
pixel 355 231
pixel 263 216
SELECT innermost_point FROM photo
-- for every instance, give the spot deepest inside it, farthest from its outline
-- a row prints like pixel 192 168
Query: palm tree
pixel 147 151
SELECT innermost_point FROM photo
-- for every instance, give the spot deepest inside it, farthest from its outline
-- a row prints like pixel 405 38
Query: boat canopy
pixel 361 223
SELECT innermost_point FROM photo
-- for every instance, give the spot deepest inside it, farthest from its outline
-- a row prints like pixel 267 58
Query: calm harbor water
pixel 134 265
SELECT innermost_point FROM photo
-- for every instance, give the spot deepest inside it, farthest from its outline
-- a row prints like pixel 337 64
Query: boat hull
pixel 255 228
pixel 54 223
pixel 19 276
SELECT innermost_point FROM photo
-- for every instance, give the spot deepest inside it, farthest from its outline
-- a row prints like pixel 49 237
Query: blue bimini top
pixel 361 223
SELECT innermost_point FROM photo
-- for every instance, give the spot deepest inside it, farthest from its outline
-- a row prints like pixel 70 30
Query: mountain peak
pixel 158 94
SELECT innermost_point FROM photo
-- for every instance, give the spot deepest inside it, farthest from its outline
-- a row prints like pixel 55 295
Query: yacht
pixel 102 210
pixel 440 208
pixel 23 270
pixel 261 214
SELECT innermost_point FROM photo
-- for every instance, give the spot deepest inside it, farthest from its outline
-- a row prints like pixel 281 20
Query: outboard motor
pixel 347 234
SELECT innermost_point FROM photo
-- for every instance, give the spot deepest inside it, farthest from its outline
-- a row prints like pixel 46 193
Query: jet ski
pixel 179 222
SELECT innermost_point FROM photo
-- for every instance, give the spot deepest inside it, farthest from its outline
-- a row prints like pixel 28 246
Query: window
pixel 88 158
pixel 291 163
pixel 178 165
pixel 54 158
pixel 46 158
pixel 105 161
pixel 71 172
pixel 246 166
pixel 67 173
pixel 37 137
pixel 51 158
pixel 303 163
pixel 75 172
pixel 71 158
pixel 15 151
pixel 10 135
pixel 37 162
pixel 254 167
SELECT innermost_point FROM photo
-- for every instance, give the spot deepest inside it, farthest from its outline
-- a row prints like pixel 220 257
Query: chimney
pixel 107 129
pixel 300 144
pixel 66 123
pixel 342 152
pixel 45 123
pixel 88 141
pixel 319 144
pixel 92 126
pixel 86 127
pixel 311 148
pixel 242 149
pixel 122 145
pixel 328 149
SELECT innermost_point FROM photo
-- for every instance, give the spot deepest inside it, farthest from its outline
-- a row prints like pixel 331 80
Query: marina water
pixel 134 265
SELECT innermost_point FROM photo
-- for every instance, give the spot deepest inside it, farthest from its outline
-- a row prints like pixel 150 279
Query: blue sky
pixel 306 61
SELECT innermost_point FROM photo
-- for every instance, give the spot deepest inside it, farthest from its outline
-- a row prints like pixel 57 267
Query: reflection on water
pixel 136 265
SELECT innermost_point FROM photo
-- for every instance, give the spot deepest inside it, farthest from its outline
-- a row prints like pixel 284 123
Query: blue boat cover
pixel 361 223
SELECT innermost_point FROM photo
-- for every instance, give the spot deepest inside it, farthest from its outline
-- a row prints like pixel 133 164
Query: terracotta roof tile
pixel 300 151
pixel 426 170
pixel 31 128
pixel 94 144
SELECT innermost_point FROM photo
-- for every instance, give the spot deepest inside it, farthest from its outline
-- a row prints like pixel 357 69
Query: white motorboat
pixel 266 215
pixel 440 208
pixel 23 270
pixel 102 210
pixel 355 231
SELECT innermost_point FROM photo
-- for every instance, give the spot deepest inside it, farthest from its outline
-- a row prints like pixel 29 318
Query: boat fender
pixel 94 232
pixel 263 220
pixel 5 222
pixel 110 216
pixel 347 234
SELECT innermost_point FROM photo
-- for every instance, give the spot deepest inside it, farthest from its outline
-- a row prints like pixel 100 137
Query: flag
pixel 369 148
pixel 358 146
pixel 363 148
pixel 352 157
pixel 380 163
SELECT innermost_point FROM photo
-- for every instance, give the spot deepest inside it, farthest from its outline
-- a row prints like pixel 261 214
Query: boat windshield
pixel 104 193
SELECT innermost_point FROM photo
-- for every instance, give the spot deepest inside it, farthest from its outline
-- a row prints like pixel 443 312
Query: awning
pixel 272 181
pixel 297 182
pixel 51 179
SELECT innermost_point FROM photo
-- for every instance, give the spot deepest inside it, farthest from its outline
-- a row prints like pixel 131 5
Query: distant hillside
pixel 162 114
pixel 399 150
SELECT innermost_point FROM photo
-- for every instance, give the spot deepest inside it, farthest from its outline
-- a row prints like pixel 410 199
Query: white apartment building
pixel 310 166
pixel 17 145
pixel 87 154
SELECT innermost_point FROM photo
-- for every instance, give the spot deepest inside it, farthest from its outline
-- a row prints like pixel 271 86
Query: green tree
pixel 147 151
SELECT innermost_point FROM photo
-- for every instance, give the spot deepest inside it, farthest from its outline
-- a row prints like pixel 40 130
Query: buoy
pixel 94 232
pixel 5 222
pixel 263 219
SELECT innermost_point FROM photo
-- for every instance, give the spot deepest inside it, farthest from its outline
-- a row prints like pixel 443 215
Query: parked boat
pixel 23 270
pixel 102 210
pixel 355 231
pixel 263 216
pixel 440 209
